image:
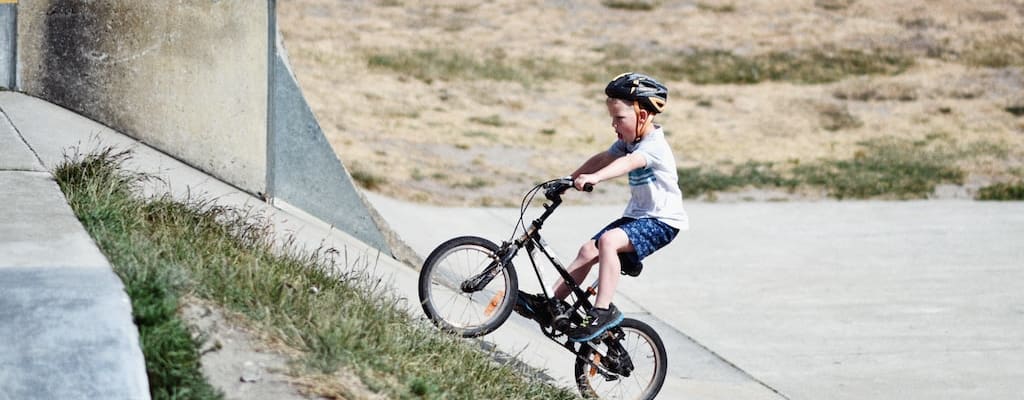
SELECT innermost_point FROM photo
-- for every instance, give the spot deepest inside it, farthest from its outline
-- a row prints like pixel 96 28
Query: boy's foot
pixel 598 321
pixel 539 307
pixel 529 305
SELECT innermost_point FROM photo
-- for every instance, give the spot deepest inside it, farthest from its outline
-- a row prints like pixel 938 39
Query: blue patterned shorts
pixel 646 234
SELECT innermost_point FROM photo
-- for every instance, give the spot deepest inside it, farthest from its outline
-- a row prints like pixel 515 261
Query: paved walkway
pixel 823 300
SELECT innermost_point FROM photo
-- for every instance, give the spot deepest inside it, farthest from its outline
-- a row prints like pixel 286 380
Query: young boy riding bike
pixel 654 214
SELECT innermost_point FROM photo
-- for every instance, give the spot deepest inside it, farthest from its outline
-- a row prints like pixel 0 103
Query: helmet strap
pixel 640 129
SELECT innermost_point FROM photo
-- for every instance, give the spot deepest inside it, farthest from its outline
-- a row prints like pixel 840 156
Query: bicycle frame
pixel 532 240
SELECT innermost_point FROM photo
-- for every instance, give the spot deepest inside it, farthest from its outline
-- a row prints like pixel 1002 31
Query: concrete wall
pixel 187 77
pixel 8 33
pixel 205 81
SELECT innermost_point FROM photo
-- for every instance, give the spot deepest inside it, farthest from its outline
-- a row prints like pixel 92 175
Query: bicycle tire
pixel 442 298
pixel 647 351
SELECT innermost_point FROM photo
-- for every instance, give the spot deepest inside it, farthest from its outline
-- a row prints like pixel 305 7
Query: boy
pixel 655 212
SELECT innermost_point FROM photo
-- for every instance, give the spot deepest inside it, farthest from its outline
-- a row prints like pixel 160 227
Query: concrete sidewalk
pixel 66 327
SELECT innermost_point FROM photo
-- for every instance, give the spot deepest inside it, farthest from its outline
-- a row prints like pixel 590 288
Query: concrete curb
pixel 65 319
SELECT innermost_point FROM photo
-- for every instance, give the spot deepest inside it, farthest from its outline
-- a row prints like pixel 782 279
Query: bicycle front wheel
pixel 458 294
pixel 600 372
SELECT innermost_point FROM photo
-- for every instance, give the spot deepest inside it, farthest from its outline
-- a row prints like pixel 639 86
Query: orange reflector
pixel 494 303
pixel 593 368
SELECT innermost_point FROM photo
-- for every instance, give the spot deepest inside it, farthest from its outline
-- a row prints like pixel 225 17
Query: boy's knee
pixel 588 250
pixel 615 239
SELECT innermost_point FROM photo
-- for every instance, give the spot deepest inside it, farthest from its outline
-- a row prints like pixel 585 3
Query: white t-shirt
pixel 654 188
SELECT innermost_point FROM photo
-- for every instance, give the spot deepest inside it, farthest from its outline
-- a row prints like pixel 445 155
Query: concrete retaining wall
pixel 8 32
pixel 189 78
pixel 205 81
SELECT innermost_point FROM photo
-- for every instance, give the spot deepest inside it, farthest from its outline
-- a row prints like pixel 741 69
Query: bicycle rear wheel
pixel 454 308
pixel 646 353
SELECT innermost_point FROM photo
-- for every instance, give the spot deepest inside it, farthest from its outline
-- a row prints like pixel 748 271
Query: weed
pixel 864 90
pixel 996 52
pixel 480 134
pixel 229 256
pixel 547 132
pixel 475 183
pixel 833 5
pixel 1002 191
pixel 698 180
pixel 366 178
pixel 713 66
pixel 492 120
pixel 883 167
pixel 632 5
pixel 892 167
pixel 716 8
pixel 835 117
pixel 830 65
pixel 446 64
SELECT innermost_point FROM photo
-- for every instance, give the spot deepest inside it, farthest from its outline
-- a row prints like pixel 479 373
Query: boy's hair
pixel 642 89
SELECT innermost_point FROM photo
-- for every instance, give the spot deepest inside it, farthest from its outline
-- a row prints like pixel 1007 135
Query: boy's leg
pixel 578 269
pixel 604 315
pixel 610 245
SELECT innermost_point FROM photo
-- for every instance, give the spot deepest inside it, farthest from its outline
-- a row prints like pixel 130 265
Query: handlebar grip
pixel 588 187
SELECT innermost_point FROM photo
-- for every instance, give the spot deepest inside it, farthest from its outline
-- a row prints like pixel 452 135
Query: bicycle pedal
pixel 600 338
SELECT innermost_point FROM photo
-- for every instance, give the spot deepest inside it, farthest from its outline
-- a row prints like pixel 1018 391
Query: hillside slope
pixel 470 102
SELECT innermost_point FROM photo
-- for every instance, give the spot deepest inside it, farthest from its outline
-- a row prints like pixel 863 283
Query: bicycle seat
pixel 630 264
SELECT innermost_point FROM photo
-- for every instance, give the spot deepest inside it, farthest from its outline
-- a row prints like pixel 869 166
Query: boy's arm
pixel 594 163
pixel 617 167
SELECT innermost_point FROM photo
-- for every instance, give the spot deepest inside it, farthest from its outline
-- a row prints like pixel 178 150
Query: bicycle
pixel 463 289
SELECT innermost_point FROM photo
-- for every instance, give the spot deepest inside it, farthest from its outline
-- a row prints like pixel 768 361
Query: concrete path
pixel 824 300
pixel 66 329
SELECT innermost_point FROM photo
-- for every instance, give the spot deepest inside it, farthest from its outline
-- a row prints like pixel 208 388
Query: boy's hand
pixel 585 179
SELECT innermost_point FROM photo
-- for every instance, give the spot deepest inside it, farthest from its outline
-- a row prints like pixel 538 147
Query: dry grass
pixel 464 90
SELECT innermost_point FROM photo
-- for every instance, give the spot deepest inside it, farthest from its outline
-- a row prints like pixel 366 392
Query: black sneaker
pixel 597 321
pixel 541 308
pixel 533 306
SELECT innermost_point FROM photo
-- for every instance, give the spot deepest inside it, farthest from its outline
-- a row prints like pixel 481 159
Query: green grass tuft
pixel 698 181
pixel 101 196
pixel 714 66
pixel 491 120
pixel 632 5
pixel 1000 51
pixel 365 178
pixel 430 65
pixel 1002 192
pixel 886 167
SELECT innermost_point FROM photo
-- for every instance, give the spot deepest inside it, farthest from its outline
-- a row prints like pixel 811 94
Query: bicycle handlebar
pixel 558 186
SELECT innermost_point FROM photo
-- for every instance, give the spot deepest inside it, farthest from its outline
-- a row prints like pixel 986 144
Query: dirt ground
pixel 485 141
pixel 246 364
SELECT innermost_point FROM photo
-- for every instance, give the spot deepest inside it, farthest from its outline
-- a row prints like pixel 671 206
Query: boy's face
pixel 623 119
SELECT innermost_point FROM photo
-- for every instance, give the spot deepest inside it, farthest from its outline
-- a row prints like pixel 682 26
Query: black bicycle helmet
pixel 647 92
